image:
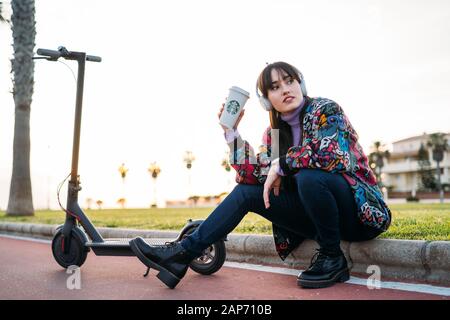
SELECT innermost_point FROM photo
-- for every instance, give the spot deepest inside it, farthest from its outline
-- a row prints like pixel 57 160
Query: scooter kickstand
pixel 146 274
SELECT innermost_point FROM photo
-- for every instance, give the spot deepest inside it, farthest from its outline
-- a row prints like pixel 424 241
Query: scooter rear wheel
pixel 212 259
pixel 77 252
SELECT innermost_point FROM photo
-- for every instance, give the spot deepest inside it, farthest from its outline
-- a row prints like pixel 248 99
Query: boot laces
pixel 170 245
pixel 318 258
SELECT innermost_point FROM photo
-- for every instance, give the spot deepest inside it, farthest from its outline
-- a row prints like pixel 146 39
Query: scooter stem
pixel 81 59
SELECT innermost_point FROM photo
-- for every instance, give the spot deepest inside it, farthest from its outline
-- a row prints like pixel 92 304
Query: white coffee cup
pixel 234 105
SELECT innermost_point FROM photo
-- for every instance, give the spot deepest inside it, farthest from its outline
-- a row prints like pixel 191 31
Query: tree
pixel 121 202
pixel 154 170
pixel 99 204
pixel 226 165
pixel 123 174
pixel 376 160
pixel 427 180
pixel 24 32
pixel 189 158
pixel 195 199
pixel 439 145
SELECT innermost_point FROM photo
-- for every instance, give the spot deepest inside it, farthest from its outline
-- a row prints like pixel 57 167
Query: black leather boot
pixel 171 260
pixel 325 270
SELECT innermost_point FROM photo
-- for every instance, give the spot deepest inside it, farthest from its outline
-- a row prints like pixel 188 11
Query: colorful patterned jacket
pixel 328 142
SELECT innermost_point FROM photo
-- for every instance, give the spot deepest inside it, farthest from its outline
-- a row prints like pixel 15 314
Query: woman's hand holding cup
pixel 232 110
pixel 237 121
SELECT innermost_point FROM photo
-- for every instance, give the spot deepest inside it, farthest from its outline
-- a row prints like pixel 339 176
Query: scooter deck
pixel 120 246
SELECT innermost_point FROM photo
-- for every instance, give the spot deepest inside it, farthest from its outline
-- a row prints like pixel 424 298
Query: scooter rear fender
pixel 193 224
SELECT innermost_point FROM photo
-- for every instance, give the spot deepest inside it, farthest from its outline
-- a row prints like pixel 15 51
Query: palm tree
pixel 439 145
pixel 194 199
pixel 154 170
pixel 99 204
pixel 226 165
pixel 427 178
pixel 121 202
pixel 24 32
pixel 123 174
pixel 189 158
pixel 376 159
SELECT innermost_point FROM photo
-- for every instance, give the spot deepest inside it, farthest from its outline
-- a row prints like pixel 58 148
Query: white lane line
pixel 421 288
pixel 412 287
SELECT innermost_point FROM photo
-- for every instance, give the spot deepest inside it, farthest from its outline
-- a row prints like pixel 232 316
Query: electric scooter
pixel 70 244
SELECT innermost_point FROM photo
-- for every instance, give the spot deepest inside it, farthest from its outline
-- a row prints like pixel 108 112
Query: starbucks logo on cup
pixel 233 107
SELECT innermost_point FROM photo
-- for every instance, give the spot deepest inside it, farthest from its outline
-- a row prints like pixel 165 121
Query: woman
pixel 329 192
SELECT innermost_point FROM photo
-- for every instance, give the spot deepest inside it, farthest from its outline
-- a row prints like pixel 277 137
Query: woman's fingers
pixel 266 197
pixel 239 119
pixel 276 185
pixel 273 181
pixel 221 110
pixel 276 190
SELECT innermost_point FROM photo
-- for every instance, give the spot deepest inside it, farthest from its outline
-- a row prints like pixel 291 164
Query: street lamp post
pixel 154 170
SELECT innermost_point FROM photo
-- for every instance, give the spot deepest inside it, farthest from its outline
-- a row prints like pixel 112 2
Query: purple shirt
pixel 293 119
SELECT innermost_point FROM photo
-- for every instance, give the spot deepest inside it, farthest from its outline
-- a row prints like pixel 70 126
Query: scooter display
pixel 78 236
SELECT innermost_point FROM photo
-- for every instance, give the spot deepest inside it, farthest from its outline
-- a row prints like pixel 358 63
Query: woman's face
pixel 285 93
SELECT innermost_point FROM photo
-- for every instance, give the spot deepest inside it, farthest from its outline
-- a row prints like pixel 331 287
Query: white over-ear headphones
pixel 265 103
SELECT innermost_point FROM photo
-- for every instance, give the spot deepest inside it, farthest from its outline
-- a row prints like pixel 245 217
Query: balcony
pixel 401 167
pixel 410 166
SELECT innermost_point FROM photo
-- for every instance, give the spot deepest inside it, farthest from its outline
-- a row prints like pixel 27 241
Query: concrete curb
pixel 414 260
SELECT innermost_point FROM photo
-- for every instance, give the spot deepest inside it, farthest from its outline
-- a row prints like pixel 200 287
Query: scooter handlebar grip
pixel 94 58
pixel 49 53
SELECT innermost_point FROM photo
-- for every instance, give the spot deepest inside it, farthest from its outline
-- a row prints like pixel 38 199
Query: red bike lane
pixel 28 271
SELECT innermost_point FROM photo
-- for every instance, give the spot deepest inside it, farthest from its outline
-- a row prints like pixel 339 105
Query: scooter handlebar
pixel 57 54
pixel 94 58
pixel 49 53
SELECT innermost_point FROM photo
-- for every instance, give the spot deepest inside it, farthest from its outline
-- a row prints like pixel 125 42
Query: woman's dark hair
pixel 264 84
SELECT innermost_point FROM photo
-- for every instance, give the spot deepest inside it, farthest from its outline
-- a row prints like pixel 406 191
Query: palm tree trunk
pixel 441 191
pixel 24 32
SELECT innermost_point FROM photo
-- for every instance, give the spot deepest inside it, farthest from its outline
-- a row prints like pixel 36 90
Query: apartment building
pixel 401 170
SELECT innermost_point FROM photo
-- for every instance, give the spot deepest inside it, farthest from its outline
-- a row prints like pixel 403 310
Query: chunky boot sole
pixel 167 277
pixel 341 276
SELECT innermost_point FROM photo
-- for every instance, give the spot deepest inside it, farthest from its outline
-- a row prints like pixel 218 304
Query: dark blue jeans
pixel 321 208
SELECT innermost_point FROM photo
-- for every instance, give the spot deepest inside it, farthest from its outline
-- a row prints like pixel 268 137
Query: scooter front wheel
pixel 76 253
pixel 212 259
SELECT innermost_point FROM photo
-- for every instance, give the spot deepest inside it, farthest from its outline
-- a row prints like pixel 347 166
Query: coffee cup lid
pixel 240 90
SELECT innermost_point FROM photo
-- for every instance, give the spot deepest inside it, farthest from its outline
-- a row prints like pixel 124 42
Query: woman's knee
pixel 307 178
pixel 248 192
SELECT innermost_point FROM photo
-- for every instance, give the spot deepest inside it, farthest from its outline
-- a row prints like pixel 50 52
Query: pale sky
pixel 167 67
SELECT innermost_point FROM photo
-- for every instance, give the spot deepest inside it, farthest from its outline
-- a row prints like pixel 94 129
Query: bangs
pixel 265 79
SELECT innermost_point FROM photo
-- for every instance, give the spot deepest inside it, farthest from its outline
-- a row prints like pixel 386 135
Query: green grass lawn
pixel 410 221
